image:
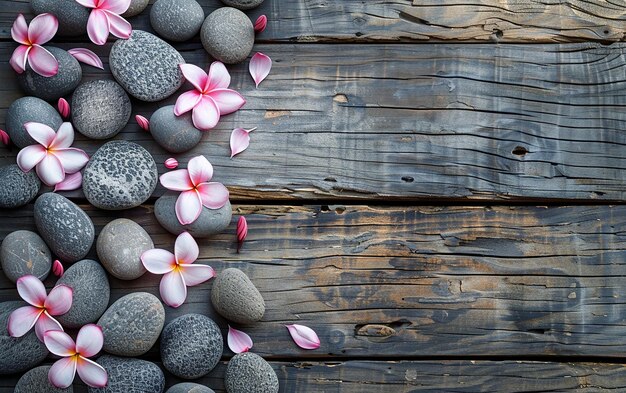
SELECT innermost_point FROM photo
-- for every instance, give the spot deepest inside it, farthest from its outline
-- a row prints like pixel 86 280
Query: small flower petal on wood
pixel 86 56
pixel 171 163
pixel 242 231
pixel 260 24
pixel 260 66
pixel 239 140
pixel 304 336
pixel 70 183
pixel 57 268
pixel 238 341
pixel 143 122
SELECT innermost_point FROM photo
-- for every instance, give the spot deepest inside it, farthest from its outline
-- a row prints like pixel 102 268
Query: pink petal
pixel 31 289
pixel 213 195
pixel 304 336
pixel 45 324
pixel 4 138
pixel 196 274
pixel 176 180
pixel 62 372
pixel 227 100
pixel 200 170
pixel 64 137
pixel 188 207
pixel 59 343
pixel 59 300
pixel 186 249
pixel 22 320
pixel 116 6
pixel 186 102
pixel 206 114
pixel 260 24
pixel 260 66
pixel 239 140
pixel 158 261
pixel 42 28
pixel 19 30
pixel 89 340
pixel 86 56
pixel 173 289
pixel 171 163
pixel 219 78
pixel 64 108
pixel 119 26
pixel 57 266
pixel 72 159
pixel 70 183
pixel 43 62
pixel 91 373
pixel 98 27
pixel 30 156
pixel 19 58
pixel 238 341
pixel 50 170
pixel 43 134
pixel 143 123
pixel 195 75
pixel 88 3
pixel 242 231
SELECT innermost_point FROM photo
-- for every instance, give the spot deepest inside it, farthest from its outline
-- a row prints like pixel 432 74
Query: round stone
pixel 23 253
pixel 191 346
pixel 176 20
pixel 72 16
pixel 100 109
pixel 132 324
pixel 243 4
pixel 21 353
pixel 249 373
pixel 146 66
pixel 120 175
pixel 209 223
pixel 189 387
pixel 54 87
pixel 236 298
pixel 228 35
pixel 29 109
pixel 65 227
pixel 16 187
pixel 120 245
pixel 130 375
pixel 135 8
pixel 91 293
pixel 176 134
pixel 36 381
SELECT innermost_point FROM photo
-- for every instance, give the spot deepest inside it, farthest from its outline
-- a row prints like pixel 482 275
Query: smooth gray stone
pixel 146 66
pixel 209 223
pixel 189 387
pixel 16 187
pixel 236 298
pixel 243 4
pixel 23 253
pixel 228 35
pixel 29 109
pixel 120 175
pixel 54 87
pixel 91 294
pixel 120 245
pixel 132 324
pixel 36 381
pixel 191 346
pixel 135 8
pixel 176 134
pixel 100 109
pixel 65 227
pixel 72 16
pixel 176 20
pixel 18 354
pixel 130 376
pixel 249 373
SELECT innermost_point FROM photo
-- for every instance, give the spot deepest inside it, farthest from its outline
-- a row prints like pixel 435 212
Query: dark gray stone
pixel 176 134
pixel 132 324
pixel 209 223
pixel 249 373
pixel 36 381
pixel 243 4
pixel 189 387
pixel 23 253
pixel 228 35
pixel 120 175
pixel 146 66
pixel 91 294
pixel 16 187
pixel 100 109
pixel 65 227
pixel 30 109
pixel 135 8
pixel 54 87
pixel 18 354
pixel 191 346
pixel 176 20
pixel 130 376
pixel 72 16
pixel 236 298
pixel 120 245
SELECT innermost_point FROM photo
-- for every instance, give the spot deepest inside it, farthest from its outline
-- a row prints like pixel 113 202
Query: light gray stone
pixel 209 223
pixel 130 376
pixel 23 253
pixel 135 8
pixel 189 387
pixel 236 298
pixel 120 245
pixel 243 4
pixel 100 109
pixel 29 109
pixel 176 20
pixel 72 16
pixel 176 134
pixel 54 87
pixel 36 381
pixel 249 373
pixel 228 35
pixel 18 354
pixel 16 187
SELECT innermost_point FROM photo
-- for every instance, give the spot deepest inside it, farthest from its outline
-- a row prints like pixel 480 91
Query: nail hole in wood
pixel 606 32
pixel 499 34
pixel 340 98
pixel 408 179
pixel 520 151
pixel 325 208
pixel 331 179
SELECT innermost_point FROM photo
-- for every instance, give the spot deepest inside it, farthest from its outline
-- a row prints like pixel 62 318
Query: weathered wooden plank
pixel 415 281
pixel 420 20
pixel 508 122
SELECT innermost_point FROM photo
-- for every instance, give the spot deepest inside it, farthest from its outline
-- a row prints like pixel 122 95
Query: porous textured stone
pixel 23 253
pixel 120 245
pixel 16 187
pixel 243 4
pixel 29 109
pixel 72 16
pixel 54 87
pixel 189 387
pixel 130 376
pixel 228 35
pixel 36 381
pixel 236 298
pixel 176 134
pixel 135 8
pixel 100 109
pixel 249 373
pixel 176 20
pixel 21 353
pixel 209 223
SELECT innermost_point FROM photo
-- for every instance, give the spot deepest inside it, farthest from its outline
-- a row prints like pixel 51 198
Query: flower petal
pixel 70 183
pixel 19 30
pixel 119 26
pixel 188 207
pixel 43 62
pixel 30 156
pixel 239 141
pixel 72 159
pixel 213 195
pixel 42 28
pixel 43 134
pixel 45 324
pixel 260 24
pixel 195 75
pixel 186 249
pixel 31 289
pixel 89 340
pixel 219 78
pixel 59 343
pixel 227 100
pixel 158 261
pixel 142 122
pixel 98 27
pixel 177 180
pixel 19 58
pixel 57 266
pixel 238 341
pixel 62 372
pixel 206 114
pixel 116 6
pixel 86 56
pixel 91 373
pixel 173 289
pixel 196 274
pixel 304 336
pixel 22 320
pixel 200 170
pixel 59 300
pixel 171 163
pixel 186 102
pixel 64 136
pixel 88 3
pixel 50 170
pixel 64 109
pixel 260 66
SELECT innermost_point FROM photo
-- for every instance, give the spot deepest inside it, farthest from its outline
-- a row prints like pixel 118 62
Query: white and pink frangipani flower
pixel 74 357
pixel 196 190
pixel 260 66
pixel 53 156
pixel 105 18
pixel 238 341
pixel 178 269
pixel 304 336
pixel 211 98
pixel 41 30
pixel 42 307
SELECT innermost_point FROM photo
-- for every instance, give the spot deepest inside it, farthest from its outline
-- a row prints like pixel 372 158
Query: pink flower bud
pixel 57 268
pixel 143 122
pixel 4 137
pixel 260 24
pixel 242 231
pixel 64 108
pixel 171 163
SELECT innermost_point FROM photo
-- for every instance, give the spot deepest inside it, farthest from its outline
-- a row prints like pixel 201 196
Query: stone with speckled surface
pixel 249 373
pixel 176 134
pixel 236 298
pixel 176 20
pixel 100 109
pixel 27 109
pixel 228 35
pixel 54 87
pixel 189 387
pixel 243 4
pixel 16 187
pixel 23 253
pixel 120 245
pixel 36 381
pixel 18 354
pixel 72 16
pixel 127 375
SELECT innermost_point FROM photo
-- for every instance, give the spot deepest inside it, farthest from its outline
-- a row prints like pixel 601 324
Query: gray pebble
pixel 209 223
pixel 36 381
pixel 228 35
pixel 91 293
pixel 18 354
pixel 120 245
pixel 100 109
pixel 236 298
pixel 23 253
pixel 135 8
pixel 191 346
pixel 130 376
pixel 120 175
pixel 146 66
pixel 16 187
pixel 176 134
pixel 243 4
pixel 65 227
pixel 54 87
pixel 72 16
pixel 189 387
pixel 176 20
pixel 249 373
pixel 29 109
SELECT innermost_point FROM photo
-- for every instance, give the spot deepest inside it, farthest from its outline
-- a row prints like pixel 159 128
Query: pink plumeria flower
pixel 53 156
pixel 41 30
pixel 178 269
pixel 42 307
pixel 75 357
pixel 196 189
pixel 211 99
pixel 105 18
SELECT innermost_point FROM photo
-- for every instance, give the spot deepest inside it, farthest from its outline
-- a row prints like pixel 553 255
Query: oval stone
pixel 132 324
pixel 100 109
pixel 120 245
pixel 130 375
pixel 120 175
pixel 22 353
pixel 249 373
pixel 191 346
pixel 72 16
pixel 243 4
pixel 176 20
pixel 91 294
pixel 65 227
pixel 135 8
pixel 228 35
pixel 146 66
pixel 176 134
pixel 23 253
pixel 236 298
pixel 29 109
pixel 189 387
pixel 36 381
pixel 54 87
pixel 209 223
pixel 16 187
